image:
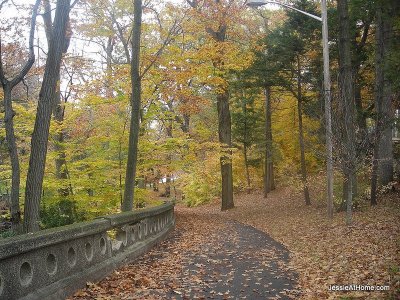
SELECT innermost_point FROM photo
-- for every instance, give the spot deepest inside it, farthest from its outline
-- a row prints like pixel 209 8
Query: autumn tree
pixel 136 83
pixel 40 135
pixel 214 15
pixel 288 50
pixel 8 86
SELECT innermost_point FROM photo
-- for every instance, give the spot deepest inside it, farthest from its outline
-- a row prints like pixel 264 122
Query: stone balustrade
pixel 53 263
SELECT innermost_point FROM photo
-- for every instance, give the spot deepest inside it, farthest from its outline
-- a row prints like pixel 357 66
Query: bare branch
pixel 193 3
pixel 2 3
pixel 17 79
pixel 74 3
pixel 3 78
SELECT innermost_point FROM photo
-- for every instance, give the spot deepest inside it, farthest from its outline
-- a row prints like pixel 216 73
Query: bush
pixel 63 212
pixel 202 183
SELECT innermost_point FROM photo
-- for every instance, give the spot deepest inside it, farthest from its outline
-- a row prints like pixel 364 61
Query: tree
pixel 59 109
pixel 246 123
pixel 289 51
pixel 40 135
pixel 8 86
pixel 136 83
pixel 382 164
pixel 215 14
pixel 269 178
pixel 346 96
pixel 265 72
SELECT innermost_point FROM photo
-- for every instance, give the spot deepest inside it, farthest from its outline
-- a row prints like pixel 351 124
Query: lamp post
pixel 327 89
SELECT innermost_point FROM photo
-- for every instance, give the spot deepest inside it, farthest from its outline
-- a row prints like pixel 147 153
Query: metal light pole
pixel 327 89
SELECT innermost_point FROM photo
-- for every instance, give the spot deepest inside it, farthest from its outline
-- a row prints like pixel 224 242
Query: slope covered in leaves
pixel 327 252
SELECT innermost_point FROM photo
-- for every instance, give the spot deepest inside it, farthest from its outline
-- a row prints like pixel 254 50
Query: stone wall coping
pixel 135 216
pixel 20 244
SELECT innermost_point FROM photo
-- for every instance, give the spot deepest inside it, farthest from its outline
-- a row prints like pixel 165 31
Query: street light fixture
pixel 257 3
pixel 327 88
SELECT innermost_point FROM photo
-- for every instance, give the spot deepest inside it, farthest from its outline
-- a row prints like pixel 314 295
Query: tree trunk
pixel 40 133
pixel 269 179
pixel 136 82
pixel 224 133
pixel 382 164
pixel 245 143
pixel 346 92
pixel 9 114
pixel 13 151
pixel 246 164
pixel 301 135
pixel 385 23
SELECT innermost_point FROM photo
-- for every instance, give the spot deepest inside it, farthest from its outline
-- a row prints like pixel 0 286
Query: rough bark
pixel 346 92
pixel 40 133
pixel 301 135
pixel 8 86
pixel 136 85
pixel 269 178
pixel 386 112
pixel 382 164
pixel 225 138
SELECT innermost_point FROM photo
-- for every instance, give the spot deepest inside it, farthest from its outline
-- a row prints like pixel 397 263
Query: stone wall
pixel 52 264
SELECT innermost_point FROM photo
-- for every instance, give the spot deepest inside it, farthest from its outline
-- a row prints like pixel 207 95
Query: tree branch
pixel 28 65
pixel 172 32
pixel 2 3
pixel 48 23
pixel 3 78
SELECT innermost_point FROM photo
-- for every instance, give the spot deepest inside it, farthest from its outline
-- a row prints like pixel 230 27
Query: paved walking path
pixel 205 259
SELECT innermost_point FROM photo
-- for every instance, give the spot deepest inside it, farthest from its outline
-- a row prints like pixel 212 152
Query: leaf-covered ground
pixel 207 257
pixel 199 260
pixel 326 252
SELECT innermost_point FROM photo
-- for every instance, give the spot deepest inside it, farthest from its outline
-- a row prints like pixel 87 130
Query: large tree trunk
pixel 385 22
pixel 40 133
pixel 127 204
pixel 13 151
pixel 225 138
pixel 58 110
pixel 346 92
pixel 382 164
pixel 301 135
pixel 269 179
